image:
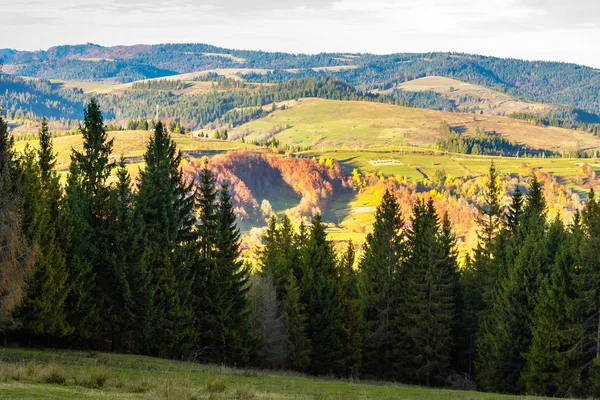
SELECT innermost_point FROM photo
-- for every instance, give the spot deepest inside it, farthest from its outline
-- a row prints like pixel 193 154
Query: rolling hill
pixel 532 81
pixel 327 124
pixel 471 96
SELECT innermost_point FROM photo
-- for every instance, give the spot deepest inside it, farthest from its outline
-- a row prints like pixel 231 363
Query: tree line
pixel 157 270
pixel 97 264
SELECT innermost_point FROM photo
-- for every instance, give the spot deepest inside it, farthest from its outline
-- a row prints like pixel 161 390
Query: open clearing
pixel 357 125
pixel 469 95
pixel 50 374
pixel 132 144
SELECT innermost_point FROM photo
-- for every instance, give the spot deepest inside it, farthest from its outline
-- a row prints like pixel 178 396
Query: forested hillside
pixel 547 82
pixel 227 102
pixel 155 267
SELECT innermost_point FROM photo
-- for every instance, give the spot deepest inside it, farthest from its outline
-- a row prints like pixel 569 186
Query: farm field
pixel 50 374
pixel 132 144
pixel 469 95
pixel 353 125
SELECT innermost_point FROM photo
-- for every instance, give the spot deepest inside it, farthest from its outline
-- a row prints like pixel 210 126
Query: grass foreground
pixel 52 374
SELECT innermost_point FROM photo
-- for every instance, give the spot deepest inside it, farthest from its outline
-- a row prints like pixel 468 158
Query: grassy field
pixel 49 374
pixel 469 95
pixel 132 144
pixel 353 125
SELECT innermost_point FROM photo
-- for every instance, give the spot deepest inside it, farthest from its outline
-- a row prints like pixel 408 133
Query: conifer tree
pixel 87 209
pixel 43 311
pixel 231 278
pixel 165 206
pixel 349 312
pixel 129 295
pixel 489 223
pixel 552 368
pixel 318 294
pixel 296 326
pixel 382 253
pixel 427 316
pixel 588 299
pixel 506 338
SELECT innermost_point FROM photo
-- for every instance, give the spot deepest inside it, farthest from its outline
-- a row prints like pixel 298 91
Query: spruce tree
pixel 552 368
pixel 268 322
pixel 489 223
pixel 232 277
pixel 43 311
pixel 588 300
pixel 318 294
pixel 87 208
pixel 296 326
pixel 166 207
pixel 506 337
pixel 427 316
pixel 349 313
pixel 129 292
pixel 378 270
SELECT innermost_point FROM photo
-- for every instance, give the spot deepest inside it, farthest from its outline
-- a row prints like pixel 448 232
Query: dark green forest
pixel 155 268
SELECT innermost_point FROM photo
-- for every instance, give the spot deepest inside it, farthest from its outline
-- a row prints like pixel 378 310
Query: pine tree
pixel 296 325
pixel 506 337
pixel 349 313
pixel 489 222
pixel 43 311
pixel 129 290
pixel 427 316
pixel 87 209
pixel 382 253
pixel 239 344
pixel 588 300
pixel 166 207
pixel 318 294
pixel 552 368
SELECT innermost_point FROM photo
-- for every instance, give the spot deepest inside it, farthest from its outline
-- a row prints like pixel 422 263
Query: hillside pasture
pixel 469 95
pixel 132 145
pixel 51 374
pixel 333 124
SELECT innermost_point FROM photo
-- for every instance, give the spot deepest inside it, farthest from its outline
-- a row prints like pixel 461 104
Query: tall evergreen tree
pixel 588 300
pixel 552 367
pixel 296 326
pixel 349 313
pixel 87 209
pixel 506 338
pixel 43 311
pixel 318 294
pixel 129 294
pixel 166 207
pixel 382 253
pixel 427 317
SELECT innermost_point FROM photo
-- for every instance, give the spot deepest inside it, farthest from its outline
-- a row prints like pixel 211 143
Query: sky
pixel 554 30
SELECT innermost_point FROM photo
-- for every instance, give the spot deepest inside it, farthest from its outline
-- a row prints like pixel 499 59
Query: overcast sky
pixel 557 30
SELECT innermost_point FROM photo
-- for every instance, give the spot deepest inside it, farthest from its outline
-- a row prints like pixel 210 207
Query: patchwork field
pixel 468 95
pixel 353 125
pixel 50 374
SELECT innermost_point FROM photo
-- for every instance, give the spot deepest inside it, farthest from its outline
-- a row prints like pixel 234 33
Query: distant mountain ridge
pixel 532 81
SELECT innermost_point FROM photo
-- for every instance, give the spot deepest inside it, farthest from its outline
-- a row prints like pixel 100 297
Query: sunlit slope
pixel 132 144
pixel 358 125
